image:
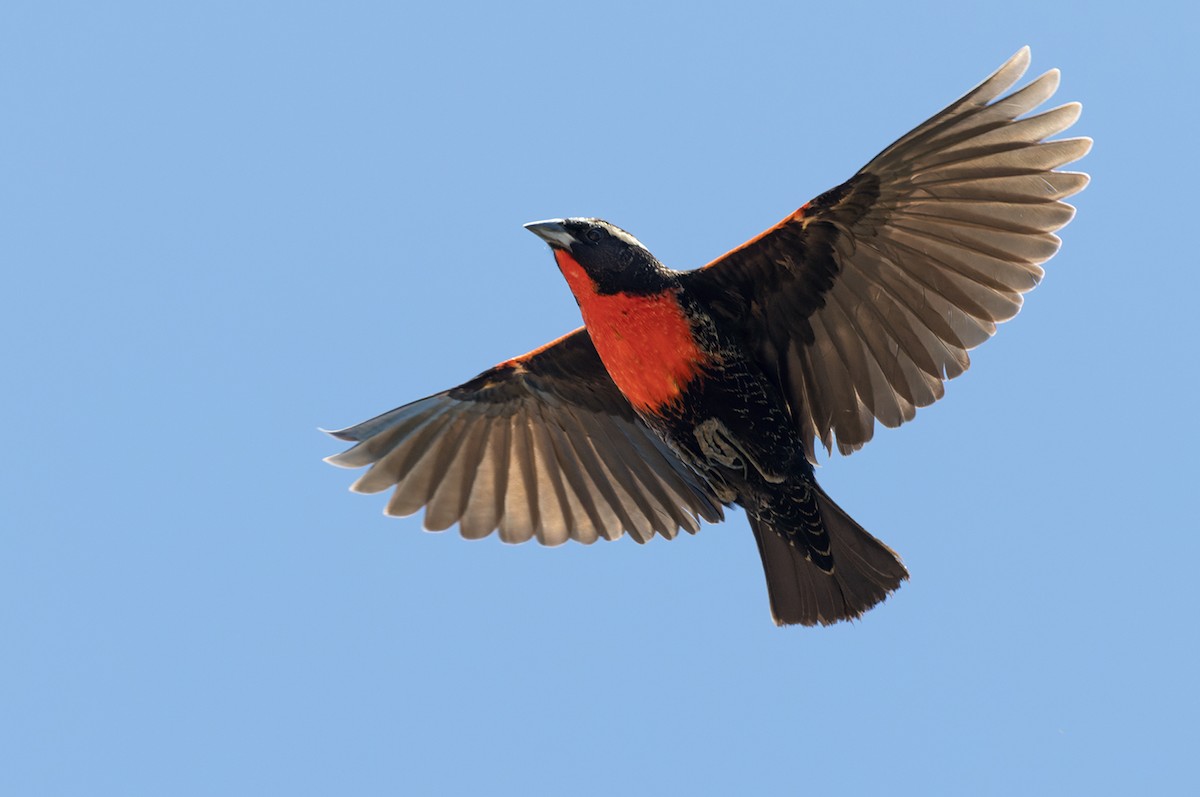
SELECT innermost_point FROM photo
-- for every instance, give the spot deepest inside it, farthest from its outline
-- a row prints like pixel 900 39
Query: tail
pixel 821 566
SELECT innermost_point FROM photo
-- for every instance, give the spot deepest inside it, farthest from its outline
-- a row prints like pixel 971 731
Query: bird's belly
pixel 732 426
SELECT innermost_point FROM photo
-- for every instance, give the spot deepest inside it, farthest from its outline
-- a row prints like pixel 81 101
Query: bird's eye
pixel 593 235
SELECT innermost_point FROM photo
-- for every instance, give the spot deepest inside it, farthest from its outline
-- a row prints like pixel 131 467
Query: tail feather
pixel 864 571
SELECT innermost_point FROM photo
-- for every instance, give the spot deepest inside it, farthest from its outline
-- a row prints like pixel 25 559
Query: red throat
pixel 644 341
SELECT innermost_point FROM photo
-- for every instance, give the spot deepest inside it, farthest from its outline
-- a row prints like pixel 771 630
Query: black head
pixel 615 260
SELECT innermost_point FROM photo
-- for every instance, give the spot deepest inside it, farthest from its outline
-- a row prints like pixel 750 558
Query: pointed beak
pixel 552 232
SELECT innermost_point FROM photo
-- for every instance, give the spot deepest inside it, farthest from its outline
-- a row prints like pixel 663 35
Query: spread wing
pixel 863 302
pixel 542 446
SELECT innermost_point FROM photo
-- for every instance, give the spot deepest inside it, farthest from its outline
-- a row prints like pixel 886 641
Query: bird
pixel 685 393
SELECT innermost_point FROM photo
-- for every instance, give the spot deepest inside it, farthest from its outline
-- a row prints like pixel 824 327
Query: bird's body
pixel 692 380
pixel 686 391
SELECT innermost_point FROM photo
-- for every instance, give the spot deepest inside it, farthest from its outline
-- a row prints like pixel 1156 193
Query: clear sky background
pixel 223 225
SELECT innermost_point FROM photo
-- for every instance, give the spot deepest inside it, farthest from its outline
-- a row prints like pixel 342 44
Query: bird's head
pixel 601 258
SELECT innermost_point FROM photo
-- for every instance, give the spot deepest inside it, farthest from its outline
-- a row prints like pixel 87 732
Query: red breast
pixel 644 341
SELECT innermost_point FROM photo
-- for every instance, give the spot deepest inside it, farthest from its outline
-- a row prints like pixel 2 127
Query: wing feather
pixel 543 446
pixel 586 505
pixel 452 495
pixel 868 298
pixel 485 504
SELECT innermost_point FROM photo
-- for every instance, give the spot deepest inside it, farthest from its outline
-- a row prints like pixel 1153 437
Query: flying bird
pixel 689 391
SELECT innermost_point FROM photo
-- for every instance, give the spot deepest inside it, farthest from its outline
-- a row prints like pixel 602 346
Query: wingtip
pixel 340 434
pixel 1073 110
pixel 335 460
pixel 1019 60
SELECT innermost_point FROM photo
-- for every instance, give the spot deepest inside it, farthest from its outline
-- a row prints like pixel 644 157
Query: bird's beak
pixel 552 232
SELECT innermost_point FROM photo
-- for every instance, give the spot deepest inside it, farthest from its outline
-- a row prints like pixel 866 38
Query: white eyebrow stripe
pixel 620 234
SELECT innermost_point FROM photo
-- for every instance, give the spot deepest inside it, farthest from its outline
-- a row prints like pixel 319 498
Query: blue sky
pixel 223 226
